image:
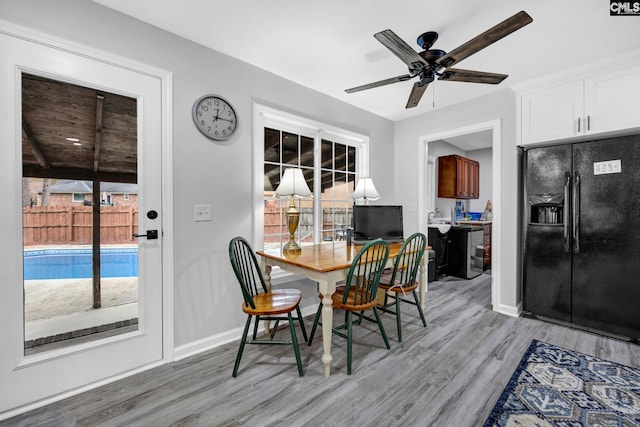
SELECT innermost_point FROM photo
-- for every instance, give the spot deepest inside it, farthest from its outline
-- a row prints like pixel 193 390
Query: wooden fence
pixel 332 219
pixel 44 225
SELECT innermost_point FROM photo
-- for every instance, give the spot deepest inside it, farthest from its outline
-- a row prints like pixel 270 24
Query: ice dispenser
pixel 546 208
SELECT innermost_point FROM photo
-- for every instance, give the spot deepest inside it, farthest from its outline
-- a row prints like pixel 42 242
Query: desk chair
pixel 359 293
pixel 261 303
pixel 403 278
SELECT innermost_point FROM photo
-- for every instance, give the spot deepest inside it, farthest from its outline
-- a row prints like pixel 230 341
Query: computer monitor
pixel 377 221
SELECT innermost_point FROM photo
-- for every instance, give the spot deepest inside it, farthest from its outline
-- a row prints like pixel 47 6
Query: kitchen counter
pixel 473 222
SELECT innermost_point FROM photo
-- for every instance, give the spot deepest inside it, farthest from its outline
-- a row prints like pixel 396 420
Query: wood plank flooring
pixel 448 374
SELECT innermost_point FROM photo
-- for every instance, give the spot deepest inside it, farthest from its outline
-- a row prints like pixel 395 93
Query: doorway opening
pixel 428 191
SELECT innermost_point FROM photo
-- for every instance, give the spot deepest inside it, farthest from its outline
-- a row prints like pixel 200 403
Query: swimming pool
pixel 46 264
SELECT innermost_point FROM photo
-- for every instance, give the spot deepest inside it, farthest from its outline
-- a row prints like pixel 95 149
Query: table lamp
pixel 365 190
pixel 292 184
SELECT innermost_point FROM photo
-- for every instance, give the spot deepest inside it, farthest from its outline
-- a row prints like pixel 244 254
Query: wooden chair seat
pixel 398 286
pixel 338 298
pixel 278 301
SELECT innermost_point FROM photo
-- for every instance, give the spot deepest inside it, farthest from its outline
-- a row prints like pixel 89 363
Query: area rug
pixel 553 386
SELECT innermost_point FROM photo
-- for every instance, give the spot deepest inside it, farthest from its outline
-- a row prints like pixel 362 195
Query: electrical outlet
pixel 202 213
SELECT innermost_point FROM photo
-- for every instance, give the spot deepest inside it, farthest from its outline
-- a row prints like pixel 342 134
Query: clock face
pixel 214 117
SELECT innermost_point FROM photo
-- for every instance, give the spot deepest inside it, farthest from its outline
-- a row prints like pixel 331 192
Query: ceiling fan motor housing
pixel 426 40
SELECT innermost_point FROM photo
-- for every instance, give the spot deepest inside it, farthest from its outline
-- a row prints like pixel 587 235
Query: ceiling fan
pixel 430 63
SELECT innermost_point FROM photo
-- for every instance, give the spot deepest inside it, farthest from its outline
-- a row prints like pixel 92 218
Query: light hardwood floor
pixel 448 374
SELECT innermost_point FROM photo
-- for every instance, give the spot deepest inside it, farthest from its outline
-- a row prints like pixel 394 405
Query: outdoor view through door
pixel 79 213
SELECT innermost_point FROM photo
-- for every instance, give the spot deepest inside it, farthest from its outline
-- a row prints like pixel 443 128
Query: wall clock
pixel 215 117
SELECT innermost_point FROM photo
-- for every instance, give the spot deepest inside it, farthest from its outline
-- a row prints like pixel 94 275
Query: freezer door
pixel 547 258
pixel 606 259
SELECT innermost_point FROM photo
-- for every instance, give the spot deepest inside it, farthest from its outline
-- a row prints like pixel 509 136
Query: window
pixel 78 197
pixel 125 196
pixel 330 159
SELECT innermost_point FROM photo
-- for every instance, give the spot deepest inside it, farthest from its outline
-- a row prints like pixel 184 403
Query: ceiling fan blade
pixel 416 94
pixel 458 75
pixel 490 36
pixel 380 83
pixel 399 48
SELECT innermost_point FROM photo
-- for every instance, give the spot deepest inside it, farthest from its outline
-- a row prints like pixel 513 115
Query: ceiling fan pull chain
pixel 434 97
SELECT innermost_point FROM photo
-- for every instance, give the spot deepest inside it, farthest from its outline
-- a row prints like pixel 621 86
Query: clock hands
pixel 217 117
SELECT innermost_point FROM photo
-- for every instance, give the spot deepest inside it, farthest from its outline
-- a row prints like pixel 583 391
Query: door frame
pixel 495 126
pixel 166 81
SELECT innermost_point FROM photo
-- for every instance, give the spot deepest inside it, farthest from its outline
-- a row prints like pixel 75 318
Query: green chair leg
pixel 243 341
pixel 384 334
pixel 304 331
pixel 349 340
pixel 398 320
pixel 294 340
pixel 315 324
pixel 415 297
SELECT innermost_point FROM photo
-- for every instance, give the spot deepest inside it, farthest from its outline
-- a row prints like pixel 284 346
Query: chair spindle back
pixel 247 270
pixel 364 275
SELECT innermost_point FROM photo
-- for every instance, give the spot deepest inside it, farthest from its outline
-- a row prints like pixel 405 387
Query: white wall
pixel 408 139
pixel 485 158
pixel 207 298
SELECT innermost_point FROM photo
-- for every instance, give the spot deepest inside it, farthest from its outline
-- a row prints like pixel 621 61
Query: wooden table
pixel 327 264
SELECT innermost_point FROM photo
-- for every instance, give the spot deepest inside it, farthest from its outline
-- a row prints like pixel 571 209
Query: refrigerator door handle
pixel 576 213
pixel 565 214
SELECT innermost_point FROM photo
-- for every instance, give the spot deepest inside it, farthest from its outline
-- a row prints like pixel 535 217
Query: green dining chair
pixel 358 294
pixel 262 303
pixel 396 283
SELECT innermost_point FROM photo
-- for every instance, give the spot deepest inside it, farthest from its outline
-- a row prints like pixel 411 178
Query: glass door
pixel 33 167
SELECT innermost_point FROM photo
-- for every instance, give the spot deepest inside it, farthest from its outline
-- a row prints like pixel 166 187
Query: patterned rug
pixel 553 386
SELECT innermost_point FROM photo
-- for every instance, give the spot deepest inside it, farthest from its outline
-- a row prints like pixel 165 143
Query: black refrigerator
pixel 581 257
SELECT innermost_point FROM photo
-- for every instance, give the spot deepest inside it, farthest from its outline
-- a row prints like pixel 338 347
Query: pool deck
pixel 58 306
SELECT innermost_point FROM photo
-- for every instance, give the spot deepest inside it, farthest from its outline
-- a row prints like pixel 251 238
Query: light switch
pixel 202 213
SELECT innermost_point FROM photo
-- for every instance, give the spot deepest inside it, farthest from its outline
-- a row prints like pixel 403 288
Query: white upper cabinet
pixel 613 101
pixel 598 104
pixel 553 113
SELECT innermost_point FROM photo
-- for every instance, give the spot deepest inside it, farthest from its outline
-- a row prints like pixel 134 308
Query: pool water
pixel 76 263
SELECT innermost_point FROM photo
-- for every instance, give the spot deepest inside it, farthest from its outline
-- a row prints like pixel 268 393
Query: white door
pixel 29 379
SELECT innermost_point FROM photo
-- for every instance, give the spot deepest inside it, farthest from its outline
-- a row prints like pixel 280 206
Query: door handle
pixel 151 235
pixel 576 213
pixel 565 213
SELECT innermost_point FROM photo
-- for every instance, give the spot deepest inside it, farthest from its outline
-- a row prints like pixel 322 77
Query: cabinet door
pixel 447 177
pixel 462 177
pixel 474 179
pixel 612 101
pixel 553 113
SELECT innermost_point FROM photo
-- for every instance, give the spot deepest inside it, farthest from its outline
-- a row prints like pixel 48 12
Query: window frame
pixel 265 116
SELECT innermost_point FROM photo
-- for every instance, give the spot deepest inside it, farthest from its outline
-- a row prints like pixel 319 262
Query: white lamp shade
pixel 293 184
pixel 366 190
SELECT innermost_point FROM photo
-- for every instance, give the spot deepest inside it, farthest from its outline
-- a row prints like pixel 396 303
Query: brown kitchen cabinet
pixel 458 177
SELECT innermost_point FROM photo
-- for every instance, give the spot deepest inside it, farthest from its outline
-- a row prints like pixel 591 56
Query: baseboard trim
pixel 509 310
pixel 209 343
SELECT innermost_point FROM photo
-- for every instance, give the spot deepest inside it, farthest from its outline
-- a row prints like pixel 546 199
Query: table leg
pixel 327 289
pixel 266 272
pixel 422 285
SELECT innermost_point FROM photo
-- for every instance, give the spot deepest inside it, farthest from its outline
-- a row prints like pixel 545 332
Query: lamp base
pixel 292 218
pixel 292 247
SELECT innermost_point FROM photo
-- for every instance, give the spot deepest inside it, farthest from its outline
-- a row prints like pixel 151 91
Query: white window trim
pixel 264 116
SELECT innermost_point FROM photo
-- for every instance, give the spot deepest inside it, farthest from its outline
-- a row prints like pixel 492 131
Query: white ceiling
pixel 329 46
